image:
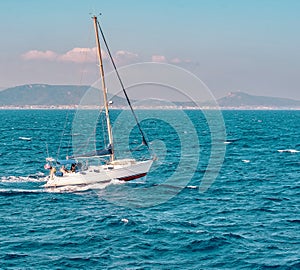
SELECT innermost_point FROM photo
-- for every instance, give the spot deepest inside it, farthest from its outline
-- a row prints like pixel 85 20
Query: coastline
pixel 76 107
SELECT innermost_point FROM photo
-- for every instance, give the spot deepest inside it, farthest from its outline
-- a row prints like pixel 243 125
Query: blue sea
pixel 247 218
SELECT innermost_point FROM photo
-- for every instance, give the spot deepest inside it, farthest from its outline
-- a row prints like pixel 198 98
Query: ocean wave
pixel 288 151
pixel 294 221
pixel 25 138
pixel 68 189
pixel 231 140
pixel 38 177
pixel 124 220
pixel 233 235
pixel 209 244
pixel 18 191
pixel 83 188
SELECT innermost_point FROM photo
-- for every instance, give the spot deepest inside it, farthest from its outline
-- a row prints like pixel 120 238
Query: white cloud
pixel 89 55
pixel 125 57
pixel 126 54
pixel 80 55
pixel 159 58
pixel 36 55
pixel 76 55
pixel 176 60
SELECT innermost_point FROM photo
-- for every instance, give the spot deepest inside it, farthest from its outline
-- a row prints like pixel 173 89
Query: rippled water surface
pixel 248 219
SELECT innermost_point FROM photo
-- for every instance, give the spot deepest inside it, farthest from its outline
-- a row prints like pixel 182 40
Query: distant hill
pixel 70 95
pixel 42 94
pixel 240 99
pixel 47 95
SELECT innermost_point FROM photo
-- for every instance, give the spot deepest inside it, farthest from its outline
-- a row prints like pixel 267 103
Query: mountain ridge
pixel 240 99
pixel 71 95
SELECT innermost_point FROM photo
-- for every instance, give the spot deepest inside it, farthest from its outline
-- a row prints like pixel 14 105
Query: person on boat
pixel 52 172
pixel 73 167
pixel 63 169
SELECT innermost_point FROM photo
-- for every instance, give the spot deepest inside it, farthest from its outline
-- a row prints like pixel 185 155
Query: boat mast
pixel 110 136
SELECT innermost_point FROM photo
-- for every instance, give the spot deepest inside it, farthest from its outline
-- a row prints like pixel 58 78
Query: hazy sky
pixel 249 45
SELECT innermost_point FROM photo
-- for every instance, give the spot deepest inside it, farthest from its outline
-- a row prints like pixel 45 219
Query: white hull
pixel 126 169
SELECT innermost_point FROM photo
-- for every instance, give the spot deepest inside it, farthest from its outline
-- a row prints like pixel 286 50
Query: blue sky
pixel 252 46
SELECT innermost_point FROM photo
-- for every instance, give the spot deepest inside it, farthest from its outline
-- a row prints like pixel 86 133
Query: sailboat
pixel 121 169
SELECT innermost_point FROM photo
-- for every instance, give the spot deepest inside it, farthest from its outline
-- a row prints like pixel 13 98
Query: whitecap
pixel 288 151
pixel 116 182
pixel 67 189
pixel 39 177
pixel 246 160
pixel 79 188
pixel 17 190
pixel 227 142
pixel 25 138
pixel 125 220
pixel 98 186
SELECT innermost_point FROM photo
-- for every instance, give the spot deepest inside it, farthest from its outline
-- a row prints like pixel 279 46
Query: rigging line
pixel 123 88
pixel 136 148
pixel 47 149
pixel 69 142
pixel 62 135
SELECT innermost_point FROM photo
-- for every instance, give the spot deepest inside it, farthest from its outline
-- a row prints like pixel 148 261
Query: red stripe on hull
pixel 132 177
